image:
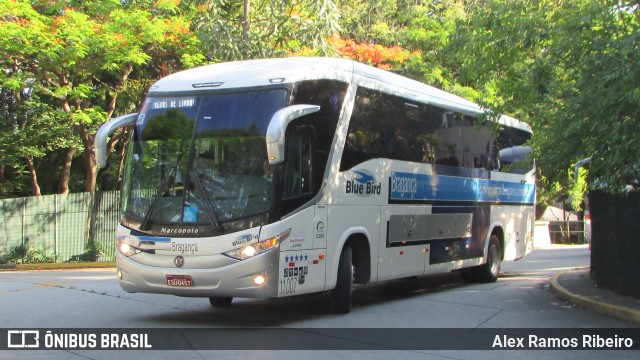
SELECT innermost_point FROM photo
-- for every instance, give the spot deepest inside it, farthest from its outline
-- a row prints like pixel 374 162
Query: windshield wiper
pixel 168 181
pixel 211 212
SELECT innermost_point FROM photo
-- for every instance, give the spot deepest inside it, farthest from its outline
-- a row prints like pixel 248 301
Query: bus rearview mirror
pixel 107 129
pixel 278 128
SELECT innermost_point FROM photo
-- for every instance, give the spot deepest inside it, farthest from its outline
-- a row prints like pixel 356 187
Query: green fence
pixel 62 225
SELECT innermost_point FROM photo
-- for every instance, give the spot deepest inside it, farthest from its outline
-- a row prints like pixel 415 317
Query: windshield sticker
pixel 363 184
pixel 173 103
pixel 190 213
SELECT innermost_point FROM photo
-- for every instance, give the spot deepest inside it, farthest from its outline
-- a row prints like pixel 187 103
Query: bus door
pixel 302 265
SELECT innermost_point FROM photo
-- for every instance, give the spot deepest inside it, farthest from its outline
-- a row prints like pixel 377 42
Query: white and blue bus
pixel 280 177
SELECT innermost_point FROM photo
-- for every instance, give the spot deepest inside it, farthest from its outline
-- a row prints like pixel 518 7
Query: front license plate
pixel 179 280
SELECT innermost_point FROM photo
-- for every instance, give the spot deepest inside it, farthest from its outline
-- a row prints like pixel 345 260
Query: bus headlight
pixel 259 280
pixel 259 247
pixel 127 249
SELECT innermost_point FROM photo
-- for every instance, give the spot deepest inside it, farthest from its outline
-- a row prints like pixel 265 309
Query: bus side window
pixel 329 95
pixel 381 126
pixel 477 144
pixel 511 154
pixel 449 150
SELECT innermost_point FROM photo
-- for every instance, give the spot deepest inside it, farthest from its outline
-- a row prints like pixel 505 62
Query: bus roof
pixel 264 72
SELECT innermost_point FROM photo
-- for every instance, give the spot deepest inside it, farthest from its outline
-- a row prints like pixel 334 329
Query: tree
pixel 264 28
pixel 422 29
pixel 78 56
pixel 372 54
pixel 29 129
pixel 567 68
pixel 603 64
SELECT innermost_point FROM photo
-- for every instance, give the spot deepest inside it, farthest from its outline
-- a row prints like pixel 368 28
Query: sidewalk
pixel 576 287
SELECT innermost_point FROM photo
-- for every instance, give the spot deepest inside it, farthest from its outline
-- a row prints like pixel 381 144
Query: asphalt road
pixel 520 299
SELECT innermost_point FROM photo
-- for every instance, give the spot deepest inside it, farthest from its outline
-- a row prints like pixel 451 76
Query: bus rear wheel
pixel 489 271
pixel 341 294
pixel 220 301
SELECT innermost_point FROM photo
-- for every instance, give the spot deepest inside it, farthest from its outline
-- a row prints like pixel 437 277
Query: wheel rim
pixel 493 258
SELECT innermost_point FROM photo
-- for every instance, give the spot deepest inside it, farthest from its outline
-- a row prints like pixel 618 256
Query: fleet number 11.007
pixel 288 286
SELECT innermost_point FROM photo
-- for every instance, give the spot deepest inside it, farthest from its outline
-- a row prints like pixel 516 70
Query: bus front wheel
pixel 341 294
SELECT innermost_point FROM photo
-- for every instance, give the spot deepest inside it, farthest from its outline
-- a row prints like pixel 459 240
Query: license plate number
pixel 179 280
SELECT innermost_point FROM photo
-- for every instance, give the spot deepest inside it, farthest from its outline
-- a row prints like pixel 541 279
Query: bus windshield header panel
pixel 198 165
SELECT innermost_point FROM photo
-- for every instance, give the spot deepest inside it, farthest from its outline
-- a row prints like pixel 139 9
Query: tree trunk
pixel 122 153
pixel 65 173
pixel 91 167
pixel 123 79
pixel 2 179
pixel 35 188
pixel 245 19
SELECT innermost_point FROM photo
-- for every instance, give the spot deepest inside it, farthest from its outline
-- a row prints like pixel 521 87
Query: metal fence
pixel 563 232
pixel 62 225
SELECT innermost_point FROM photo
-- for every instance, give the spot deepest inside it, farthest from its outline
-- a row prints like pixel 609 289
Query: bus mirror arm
pixel 278 128
pixel 107 129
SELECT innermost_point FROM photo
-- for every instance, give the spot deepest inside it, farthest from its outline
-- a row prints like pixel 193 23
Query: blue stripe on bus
pixel 422 187
pixel 154 238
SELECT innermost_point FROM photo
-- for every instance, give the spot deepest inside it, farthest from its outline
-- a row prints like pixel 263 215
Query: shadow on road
pixel 308 308
pixel 280 312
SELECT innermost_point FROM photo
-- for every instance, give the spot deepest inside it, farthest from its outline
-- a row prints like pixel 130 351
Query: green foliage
pixel 22 255
pixel 67 63
pixel 29 128
pixel 91 253
pixel 578 189
pixel 268 29
pixel 567 68
pixel 570 68
pixel 422 28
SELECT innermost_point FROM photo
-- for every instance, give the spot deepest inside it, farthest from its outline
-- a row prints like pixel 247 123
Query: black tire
pixel 469 275
pixel 341 294
pixel 220 301
pixel 488 272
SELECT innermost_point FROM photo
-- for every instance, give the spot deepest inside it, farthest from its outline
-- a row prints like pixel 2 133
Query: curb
pixel 618 312
pixel 58 266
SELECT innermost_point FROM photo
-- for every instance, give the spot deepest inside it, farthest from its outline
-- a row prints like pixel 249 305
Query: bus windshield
pixel 200 161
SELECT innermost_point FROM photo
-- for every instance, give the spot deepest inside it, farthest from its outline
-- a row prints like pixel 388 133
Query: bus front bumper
pixel 235 280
